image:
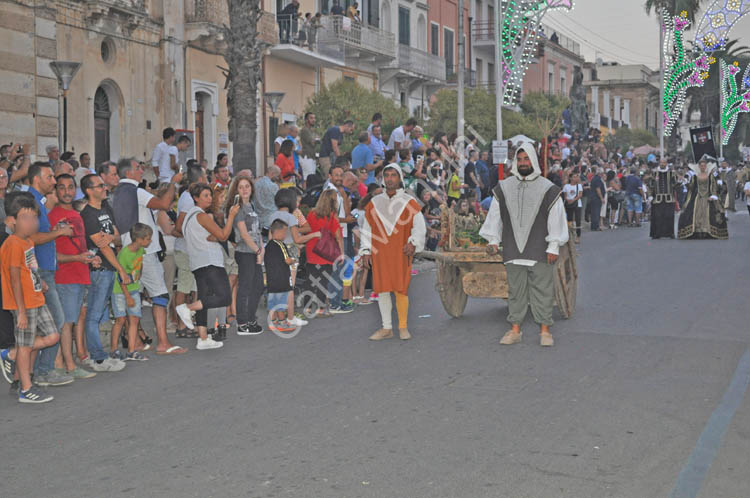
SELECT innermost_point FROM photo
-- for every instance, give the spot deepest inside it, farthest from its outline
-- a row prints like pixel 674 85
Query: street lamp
pixel 65 72
pixel 273 99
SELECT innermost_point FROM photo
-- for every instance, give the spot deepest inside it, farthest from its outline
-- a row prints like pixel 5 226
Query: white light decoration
pixel 519 35
pixel 735 98
pixel 682 70
pixel 719 18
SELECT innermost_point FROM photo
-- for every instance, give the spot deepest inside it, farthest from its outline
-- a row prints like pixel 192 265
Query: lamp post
pixel 65 72
pixel 273 99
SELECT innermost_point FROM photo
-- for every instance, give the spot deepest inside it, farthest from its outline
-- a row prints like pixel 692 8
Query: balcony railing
pixel 358 35
pixel 483 31
pixel 420 62
pixel 470 77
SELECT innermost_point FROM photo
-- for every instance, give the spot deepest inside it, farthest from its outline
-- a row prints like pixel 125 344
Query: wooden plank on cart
pixel 487 283
pixel 566 279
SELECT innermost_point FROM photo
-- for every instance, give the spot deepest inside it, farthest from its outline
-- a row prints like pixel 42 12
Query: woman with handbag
pixel 324 251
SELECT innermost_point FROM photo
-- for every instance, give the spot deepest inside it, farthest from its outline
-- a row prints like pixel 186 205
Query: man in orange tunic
pixel 393 230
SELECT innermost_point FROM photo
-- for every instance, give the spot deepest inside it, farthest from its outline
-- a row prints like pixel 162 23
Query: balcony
pixel 358 39
pixel 483 33
pixel 306 45
pixel 470 77
pixel 420 64
pixel 205 21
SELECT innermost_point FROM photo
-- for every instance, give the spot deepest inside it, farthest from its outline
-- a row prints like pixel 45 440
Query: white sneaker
pixel 297 321
pixel 208 343
pixel 108 365
pixel 184 313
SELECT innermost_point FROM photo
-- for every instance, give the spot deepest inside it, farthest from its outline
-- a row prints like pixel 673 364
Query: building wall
pixel 28 96
pixel 445 14
pixel 560 61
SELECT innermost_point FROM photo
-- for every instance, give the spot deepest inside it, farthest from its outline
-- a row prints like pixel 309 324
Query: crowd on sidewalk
pixel 204 248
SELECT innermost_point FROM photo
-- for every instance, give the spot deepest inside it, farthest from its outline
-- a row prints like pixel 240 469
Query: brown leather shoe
pixel 511 337
pixel 546 339
pixel 382 334
pixel 404 334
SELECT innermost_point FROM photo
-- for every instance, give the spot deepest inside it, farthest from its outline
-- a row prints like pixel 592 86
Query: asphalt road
pixel 616 409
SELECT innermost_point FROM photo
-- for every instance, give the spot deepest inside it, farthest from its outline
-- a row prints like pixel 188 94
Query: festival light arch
pixel 719 19
pixel 519 36
pixel 735 98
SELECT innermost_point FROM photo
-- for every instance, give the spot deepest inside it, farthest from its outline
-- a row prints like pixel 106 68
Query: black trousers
pixel 249 286
pixel 596 213
pixel 318 277
pixel 213 291
pixel 573 213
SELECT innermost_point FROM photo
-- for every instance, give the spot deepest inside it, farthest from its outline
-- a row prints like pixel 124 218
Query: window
pixel 448 48
pixel 349 78
pixel 373 13
pixel 435 39
pixel 563 82
pixel 404 26
pixel 490 73
pixel 550 78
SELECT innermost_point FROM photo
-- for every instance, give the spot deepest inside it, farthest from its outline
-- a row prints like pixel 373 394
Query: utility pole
pixel 460 76
pixel 660 117
pixel 499 86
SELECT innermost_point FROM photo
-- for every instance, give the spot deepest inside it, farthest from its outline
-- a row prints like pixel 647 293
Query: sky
pixel 619 30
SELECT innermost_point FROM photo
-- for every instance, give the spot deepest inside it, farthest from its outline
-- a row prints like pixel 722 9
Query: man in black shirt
pixel 330 145
pixel 287 19
pixel 101 234
pixel 470 173
pixel 337 9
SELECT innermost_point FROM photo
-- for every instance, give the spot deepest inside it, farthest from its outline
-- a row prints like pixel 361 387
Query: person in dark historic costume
pixel 662 190
pixel 728 180
pixel 703 215
pixel 528 216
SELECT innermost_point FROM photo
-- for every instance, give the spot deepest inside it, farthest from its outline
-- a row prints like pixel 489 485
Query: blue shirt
pixel 633 185
pixel 294 152
pixel 651 158
pixel 362 156
pixel 377 146
pixel 46 254
pixel 483 172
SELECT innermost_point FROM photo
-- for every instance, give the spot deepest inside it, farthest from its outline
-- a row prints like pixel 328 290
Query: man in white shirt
pixel 124 197
pixel 164 159
pixel 400 138
pixel 527 216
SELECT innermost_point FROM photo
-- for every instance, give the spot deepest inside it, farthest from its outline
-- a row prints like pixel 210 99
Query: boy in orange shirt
pixel 23 295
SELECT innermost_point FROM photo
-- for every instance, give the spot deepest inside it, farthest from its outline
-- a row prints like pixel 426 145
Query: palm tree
pixel 244 57
pixel 674 7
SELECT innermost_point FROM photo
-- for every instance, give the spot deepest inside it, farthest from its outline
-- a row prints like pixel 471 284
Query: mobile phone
pixel 236 199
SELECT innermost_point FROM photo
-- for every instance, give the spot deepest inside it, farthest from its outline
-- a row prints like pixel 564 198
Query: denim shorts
pixel 72 297
pixel 634 203
pixel 277 301
pixel 120 307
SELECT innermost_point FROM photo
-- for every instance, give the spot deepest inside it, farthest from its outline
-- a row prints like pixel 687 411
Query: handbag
pixel 326 247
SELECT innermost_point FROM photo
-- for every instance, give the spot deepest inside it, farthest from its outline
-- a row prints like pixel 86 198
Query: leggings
pixel 386 309
pixel 319 277
pixel 574 214
pixel 213 291
pixel 249 286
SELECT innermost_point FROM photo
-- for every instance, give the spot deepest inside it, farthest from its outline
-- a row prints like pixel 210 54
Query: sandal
pixel 186 334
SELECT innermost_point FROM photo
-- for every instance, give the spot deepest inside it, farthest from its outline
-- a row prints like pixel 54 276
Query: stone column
pixel 626 112
pixel 607 109
pixel 616 116
pixel 595 107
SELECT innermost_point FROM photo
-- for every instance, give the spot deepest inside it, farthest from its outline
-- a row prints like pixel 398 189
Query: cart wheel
pixel 451 289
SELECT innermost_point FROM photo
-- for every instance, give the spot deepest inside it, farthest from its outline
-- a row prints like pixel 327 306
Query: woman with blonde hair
pixel 324 218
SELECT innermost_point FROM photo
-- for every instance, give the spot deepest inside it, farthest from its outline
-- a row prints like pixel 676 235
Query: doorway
pixel 102 116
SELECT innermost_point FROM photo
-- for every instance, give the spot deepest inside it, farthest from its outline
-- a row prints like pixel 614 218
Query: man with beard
pixel 662 191
pixel 528 216
pixel 393 230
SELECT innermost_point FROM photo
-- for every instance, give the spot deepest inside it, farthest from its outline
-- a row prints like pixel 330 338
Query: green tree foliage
pixel 626 137
pixel 344 100
pixel 674 7
pixel 479 113
pixel 544 113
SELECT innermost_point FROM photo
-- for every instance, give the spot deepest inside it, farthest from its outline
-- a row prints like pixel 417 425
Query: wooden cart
pixel 465 269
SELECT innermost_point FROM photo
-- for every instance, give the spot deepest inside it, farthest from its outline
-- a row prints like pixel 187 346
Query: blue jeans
pixel 336 285
pixel 99 293
pixel 71 298
pixel 45 361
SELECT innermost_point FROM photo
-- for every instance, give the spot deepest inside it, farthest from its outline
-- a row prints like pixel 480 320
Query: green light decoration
pixel 681 69
pixel 519 36
pixel 733 100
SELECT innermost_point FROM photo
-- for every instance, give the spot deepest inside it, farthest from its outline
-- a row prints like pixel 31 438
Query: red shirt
pixel 362 190
pixel 287 166
pixel 70 273
pixel 316 224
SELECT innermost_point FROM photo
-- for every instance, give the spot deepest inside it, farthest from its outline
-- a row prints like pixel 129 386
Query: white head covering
pixel 531 151
pixel 389 209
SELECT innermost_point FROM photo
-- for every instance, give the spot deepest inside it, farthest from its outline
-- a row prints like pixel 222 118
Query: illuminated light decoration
pixel 720 17
pixel 681 70
pixel 734 98
pixel 519 36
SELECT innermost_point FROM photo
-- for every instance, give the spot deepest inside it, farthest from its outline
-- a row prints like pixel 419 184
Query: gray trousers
pixel 531 286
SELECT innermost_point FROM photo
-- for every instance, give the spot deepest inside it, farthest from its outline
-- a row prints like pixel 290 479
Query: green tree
pixel 479 114
pixel 344 100
pixel 627 137
pixel 544 113
pixel 674 7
